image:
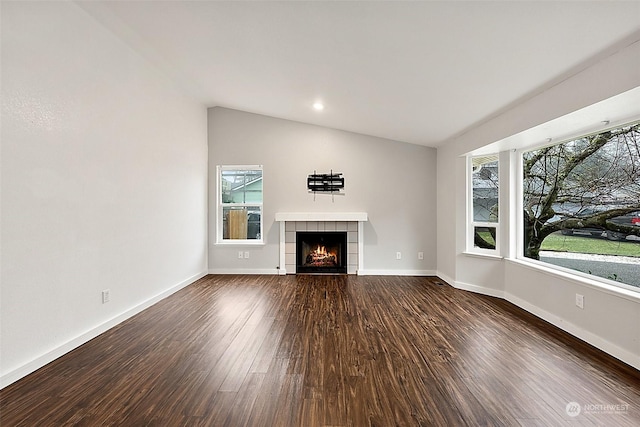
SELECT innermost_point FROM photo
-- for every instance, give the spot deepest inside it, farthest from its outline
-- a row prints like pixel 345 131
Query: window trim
pixel 220 207
pixel 601 283
pixel 471 249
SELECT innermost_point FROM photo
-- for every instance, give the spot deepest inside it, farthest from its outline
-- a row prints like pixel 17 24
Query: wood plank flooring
pixel 327 351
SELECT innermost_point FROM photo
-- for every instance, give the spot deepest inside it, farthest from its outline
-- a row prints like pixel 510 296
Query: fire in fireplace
pixel 321 252
pixel 320 257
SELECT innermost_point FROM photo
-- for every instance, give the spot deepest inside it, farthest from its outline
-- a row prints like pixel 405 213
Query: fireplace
pixel 321 252
pixel 353 223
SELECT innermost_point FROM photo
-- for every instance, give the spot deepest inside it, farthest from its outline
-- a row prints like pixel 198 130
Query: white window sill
pixel 567 274
pixel 482 255
pixel 241 243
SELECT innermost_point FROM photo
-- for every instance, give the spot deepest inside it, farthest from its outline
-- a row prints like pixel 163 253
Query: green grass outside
pixel 586 245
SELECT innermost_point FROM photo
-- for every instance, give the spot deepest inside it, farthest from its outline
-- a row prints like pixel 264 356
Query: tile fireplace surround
pixel 351 222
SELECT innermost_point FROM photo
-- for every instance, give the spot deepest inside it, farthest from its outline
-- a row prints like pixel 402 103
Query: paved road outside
pixel 625 269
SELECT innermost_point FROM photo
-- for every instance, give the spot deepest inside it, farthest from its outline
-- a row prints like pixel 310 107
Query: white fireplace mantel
pixel 321 216
pixel 284 217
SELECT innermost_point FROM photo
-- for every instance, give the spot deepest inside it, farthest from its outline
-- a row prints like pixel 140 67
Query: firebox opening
pixel 321 252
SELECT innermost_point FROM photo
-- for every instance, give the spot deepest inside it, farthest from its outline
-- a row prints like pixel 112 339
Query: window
pixel 239 204
pixel 483 205
pixel 581 205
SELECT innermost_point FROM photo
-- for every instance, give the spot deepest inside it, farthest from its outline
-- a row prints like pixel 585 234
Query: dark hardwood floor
pixel 328 351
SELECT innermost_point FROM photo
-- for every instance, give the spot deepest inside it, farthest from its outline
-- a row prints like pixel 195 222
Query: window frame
pixel 568 273
pixel 220 206
pixel 471 222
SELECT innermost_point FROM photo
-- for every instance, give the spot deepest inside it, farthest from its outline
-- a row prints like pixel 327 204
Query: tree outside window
pixel 583 196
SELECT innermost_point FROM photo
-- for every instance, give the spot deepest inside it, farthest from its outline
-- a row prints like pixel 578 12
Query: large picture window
pixel 581 204
pixel 483 205
pixel 240 204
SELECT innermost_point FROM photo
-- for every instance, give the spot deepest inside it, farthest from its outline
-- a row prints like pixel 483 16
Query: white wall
pixel 394 182
pixel 609 320
pixel 104 175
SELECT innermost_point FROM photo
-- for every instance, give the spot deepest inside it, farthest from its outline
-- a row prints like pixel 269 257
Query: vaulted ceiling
pixel 419 72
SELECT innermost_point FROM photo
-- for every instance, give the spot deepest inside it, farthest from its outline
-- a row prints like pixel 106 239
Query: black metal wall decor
pixel 325 182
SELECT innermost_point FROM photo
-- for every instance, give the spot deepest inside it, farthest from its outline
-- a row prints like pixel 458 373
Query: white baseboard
pixel 52 355
pixel 444 277
pixel 265 271
pixel 478 289
pixel 274 271
pixel 369 272
pixel 622 354
pixel 619 353
pixel 595 340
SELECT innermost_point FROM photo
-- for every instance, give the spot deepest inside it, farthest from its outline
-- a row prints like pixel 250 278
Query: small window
pixel 483 204
pixel 240 204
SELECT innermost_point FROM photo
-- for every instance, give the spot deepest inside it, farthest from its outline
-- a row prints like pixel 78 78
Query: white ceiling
pixel 419 72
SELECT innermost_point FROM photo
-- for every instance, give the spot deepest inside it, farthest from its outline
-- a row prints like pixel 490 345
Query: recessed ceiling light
pixel 318 106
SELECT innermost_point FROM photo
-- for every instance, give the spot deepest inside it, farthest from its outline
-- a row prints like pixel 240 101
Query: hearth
pixel 321 252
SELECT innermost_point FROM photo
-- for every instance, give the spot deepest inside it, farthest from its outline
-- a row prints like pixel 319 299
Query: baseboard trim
pixel 478 289
pixel 595 340
pixel 445 278
pixel 274 271
pixel 368 272
pixel 76 342
pixel 254 271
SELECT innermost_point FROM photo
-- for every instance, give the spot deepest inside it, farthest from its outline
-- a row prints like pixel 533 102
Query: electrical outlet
pixel 580 300
pixel 240 254
pixel 420 255
pixel 106 296
pixel 246 255
pixel 398 255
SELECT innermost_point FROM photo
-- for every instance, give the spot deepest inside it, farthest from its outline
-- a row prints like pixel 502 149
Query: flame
pixel 321 250
pixel 320 256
